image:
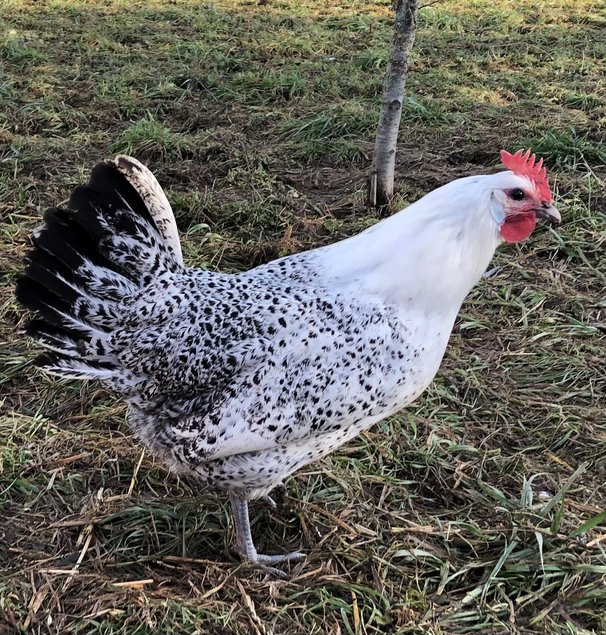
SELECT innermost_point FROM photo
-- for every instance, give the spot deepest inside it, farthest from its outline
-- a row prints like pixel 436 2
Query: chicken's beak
pixel 549 213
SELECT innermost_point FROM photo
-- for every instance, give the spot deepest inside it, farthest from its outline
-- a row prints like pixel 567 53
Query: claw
pixel 268 500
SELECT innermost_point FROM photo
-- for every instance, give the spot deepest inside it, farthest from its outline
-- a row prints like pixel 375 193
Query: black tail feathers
pixel 116 235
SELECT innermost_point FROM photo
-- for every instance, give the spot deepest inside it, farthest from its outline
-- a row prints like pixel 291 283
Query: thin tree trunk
pixel 380 181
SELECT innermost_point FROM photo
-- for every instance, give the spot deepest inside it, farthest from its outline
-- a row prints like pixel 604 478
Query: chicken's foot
pixel 244 542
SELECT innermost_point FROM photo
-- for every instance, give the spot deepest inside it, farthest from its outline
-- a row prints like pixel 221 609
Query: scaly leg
pixel 244 542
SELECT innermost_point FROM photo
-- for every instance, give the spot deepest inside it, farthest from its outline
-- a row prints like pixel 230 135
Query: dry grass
pixel 479 510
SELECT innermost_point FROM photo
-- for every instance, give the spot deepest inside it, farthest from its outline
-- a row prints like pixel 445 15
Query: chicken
pixel 239 380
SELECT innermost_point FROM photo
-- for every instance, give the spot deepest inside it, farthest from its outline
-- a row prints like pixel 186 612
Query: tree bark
pixel 380 181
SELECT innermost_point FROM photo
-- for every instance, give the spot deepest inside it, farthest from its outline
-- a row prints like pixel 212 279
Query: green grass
pixel 149 139
pixel 478 510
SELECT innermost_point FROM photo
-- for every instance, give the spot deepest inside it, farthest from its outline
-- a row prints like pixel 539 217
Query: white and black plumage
pixel 239 380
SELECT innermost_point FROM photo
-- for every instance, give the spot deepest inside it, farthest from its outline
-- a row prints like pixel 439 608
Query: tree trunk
pixel 380 181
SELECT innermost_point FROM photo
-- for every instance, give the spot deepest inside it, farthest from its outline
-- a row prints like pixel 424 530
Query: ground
pixel 480 509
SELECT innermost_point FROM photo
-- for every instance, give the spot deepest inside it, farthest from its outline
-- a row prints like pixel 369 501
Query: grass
pixel 478 510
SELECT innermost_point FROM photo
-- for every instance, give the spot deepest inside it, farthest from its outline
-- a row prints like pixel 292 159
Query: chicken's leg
pixel 244 542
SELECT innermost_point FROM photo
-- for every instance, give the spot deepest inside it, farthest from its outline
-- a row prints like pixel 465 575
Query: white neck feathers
pixel 430 254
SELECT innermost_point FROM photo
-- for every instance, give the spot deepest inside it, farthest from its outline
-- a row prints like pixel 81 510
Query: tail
pixel 114 237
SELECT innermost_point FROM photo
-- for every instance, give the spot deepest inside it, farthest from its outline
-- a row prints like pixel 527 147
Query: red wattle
pixel 518 227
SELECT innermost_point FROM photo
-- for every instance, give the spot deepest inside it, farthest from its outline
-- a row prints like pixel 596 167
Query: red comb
pixel 524 164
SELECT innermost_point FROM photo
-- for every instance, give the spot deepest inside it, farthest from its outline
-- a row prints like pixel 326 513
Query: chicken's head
pixel 523 194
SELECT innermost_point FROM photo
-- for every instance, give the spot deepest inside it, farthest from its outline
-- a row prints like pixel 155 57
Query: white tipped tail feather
pixel 154 198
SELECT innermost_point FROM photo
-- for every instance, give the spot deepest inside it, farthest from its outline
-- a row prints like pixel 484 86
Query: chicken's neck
pixel 429 255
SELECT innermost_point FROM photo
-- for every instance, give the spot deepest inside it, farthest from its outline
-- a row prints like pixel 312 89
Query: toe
pixel 278 559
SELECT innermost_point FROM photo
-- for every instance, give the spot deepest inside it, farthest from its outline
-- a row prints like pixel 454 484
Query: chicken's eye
pixel 517 194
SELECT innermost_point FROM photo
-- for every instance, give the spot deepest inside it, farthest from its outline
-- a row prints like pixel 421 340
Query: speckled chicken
pixel 239 380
